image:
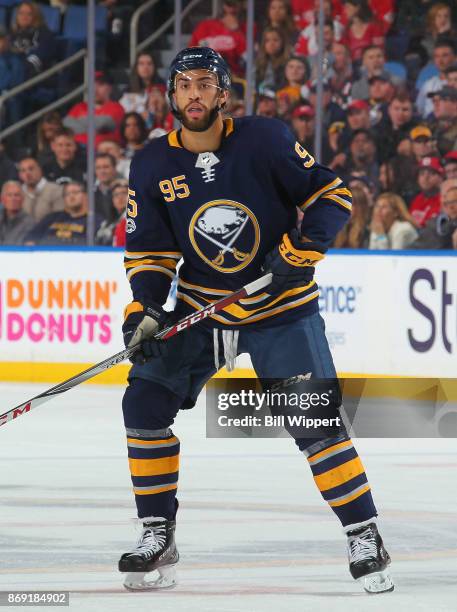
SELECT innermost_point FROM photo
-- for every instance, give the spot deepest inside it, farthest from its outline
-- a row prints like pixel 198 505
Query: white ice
pixel 253 531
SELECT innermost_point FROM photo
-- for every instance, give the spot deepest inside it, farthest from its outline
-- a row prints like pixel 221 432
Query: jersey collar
pixel 174 137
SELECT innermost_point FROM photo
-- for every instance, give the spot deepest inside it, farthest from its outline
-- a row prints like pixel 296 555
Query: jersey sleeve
pixel 322 196
pixel 151 252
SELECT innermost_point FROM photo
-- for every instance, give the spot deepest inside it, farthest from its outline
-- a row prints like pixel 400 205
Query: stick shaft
pixel 110 362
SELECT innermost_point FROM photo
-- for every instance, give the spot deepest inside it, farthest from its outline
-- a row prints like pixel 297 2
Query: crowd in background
pixel 389 117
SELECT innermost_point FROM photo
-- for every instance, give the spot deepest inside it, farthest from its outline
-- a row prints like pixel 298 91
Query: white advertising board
pixel 386 314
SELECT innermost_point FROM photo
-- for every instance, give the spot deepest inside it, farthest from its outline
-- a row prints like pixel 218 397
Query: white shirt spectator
pixel 400 236
pixel 423 103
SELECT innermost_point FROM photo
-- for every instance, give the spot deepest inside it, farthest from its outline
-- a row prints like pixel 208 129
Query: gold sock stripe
pixel 339 475
pixel 154 491
pixel 154 467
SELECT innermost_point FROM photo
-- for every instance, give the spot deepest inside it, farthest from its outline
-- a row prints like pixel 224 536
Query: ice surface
pixel 253 531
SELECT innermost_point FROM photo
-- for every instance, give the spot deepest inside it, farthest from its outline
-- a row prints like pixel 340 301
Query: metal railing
pixel 39 78
pixel 136 47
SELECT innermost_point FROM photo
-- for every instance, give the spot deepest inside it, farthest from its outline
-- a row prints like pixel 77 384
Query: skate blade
pixel 134 581
pixel 377 582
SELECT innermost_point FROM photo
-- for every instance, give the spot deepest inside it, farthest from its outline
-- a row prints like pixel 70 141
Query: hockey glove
pixel 292 263
pixel 140 325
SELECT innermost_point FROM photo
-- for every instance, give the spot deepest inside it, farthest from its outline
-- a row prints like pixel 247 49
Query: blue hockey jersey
pixel 222 212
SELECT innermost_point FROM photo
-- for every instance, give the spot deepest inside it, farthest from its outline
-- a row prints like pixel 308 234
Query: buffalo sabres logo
pixel 225 234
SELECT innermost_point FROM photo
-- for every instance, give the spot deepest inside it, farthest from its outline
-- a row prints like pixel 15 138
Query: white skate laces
pixel 151 540
pixel 362 546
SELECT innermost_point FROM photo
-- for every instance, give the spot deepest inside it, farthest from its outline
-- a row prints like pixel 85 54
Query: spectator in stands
pixel 8 170
pixel 439 24
pixel 12 73
pixel 15 223
pixel 396 126
pixel 31 39
pixel 114 149
pixel 362 159
pixel 355 233
pixel 303 126
pixel 225 35
pixel 309 49
pixel 381 93
pixel 158 114
pixel 341 77
pixel 279 15
pixel 108 114
pixel 358 118
pixel 391 224
pixel 48 126
pixel 427 202
pixel 373 64
pixel 331 110
pixel 67 162
pixel 308 44
pixel 451 76
pixel 450 165
pixel 272 59
pixel 67 227
pixel 296 73
pixel 143 79
pixel 390 178
pixel 441 231
pixel 443 56
pixel 362 30
pixel 41 197
pixel 106 175
pixel 445 127
pixel 133 134
pixel 267 104
pixel 422 144
pixel 117 36
pixel 119 196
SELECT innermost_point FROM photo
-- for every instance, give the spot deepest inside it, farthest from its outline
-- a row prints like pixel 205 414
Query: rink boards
pixel 387 313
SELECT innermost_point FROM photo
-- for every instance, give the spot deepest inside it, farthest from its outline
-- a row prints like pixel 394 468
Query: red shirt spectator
pixel 119 233
pixel 372 35
pixel 304 10
pixel 362 29
pixel 225 35
pixel 108 114
pixel 427 203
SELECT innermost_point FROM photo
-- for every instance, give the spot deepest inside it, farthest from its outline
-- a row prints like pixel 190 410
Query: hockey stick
pixel 166 333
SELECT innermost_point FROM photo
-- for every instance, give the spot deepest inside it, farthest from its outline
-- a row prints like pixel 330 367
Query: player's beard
pixel 202 124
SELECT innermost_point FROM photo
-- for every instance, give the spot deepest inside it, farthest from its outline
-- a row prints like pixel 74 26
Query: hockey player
pixel 222 195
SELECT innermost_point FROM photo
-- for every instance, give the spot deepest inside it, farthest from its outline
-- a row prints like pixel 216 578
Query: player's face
pixel 196 94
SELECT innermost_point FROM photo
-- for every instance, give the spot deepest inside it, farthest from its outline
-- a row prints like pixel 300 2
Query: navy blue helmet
pixel 194 58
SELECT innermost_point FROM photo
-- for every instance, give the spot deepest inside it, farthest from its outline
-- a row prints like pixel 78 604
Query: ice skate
pixel 156 550
pixel 369 560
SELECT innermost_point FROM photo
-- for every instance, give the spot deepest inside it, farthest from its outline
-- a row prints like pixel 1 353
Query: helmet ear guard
pixel 194 58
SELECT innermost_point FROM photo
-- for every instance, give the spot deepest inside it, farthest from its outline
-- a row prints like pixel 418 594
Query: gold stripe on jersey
pixel 138 254
pixel 225 320
pixel 164 262
pixel 167 263
pixel 319 193
pixel 338 200
pixel 169 273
